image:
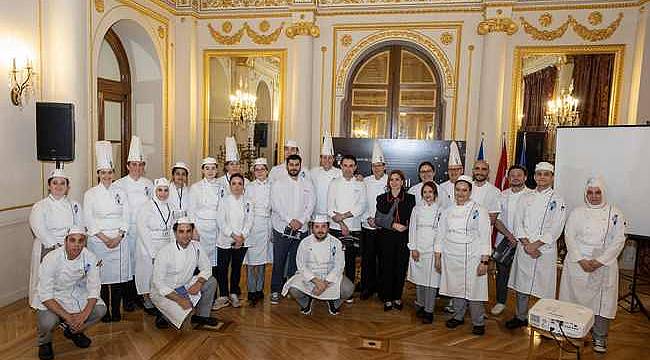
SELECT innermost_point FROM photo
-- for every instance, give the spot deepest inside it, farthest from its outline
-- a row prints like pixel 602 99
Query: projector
pixel 550 314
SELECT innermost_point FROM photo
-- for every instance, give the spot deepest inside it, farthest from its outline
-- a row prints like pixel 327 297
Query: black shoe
pixel 388 306
pixel 398 304
pixel 116 317
pixel 260 295
pixel 333 310
pixel 79 339
pixel 106 318
pixel 427 318
pixel 151 311
pixel 161 322
pixel 130 306
pixel 516 323
pixel 252 299
pixel 452 323
pixel 204 320
pixel 45 351
pixel 419 311
pixel 478 330
pixel 307 309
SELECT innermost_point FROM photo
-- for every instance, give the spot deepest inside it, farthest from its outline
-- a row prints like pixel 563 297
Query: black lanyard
pixel 180 197
pixel 169 214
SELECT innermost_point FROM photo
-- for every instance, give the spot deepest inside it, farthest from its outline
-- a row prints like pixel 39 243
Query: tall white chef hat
pixel 328 147
pixel 104 153
pixel 544 166
pixel 232 154
pixel 208 160
pixel 596 182
pixel 377 153
pixel 454 155
pixel 135 150
pixel 76 229
pixel 58 173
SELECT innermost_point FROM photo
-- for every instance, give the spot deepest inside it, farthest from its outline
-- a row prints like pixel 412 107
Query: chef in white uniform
pixel 454 170
pixel 231 165
pixel 426 173
pixel 204 202
pixel 154 227
pixel 68 292
pixel 375 185
pixel 538 226
pixel 483 192
pixel 594 236
pixel 235 221
pixel 179 191
pixel 323 175
pixel 50 220
pixel 138 190
pixel 182 280
pixel 260 251
pixel 462 253
pixel 423 231
pixel 280 170
pixel 107 219
pixel 320 261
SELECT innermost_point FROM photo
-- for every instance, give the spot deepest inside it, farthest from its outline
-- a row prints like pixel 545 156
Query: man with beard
pixel 292 204
pixel 483 192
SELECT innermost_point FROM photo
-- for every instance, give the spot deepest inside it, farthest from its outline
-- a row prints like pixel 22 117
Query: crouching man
pixel 182 280
pixel 320 261
pixel 68 290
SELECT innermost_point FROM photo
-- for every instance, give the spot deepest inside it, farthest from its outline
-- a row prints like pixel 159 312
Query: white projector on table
pixel 550 314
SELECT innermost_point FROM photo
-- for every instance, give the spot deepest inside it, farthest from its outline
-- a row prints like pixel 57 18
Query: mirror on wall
pixel 244 99
pixel 563 86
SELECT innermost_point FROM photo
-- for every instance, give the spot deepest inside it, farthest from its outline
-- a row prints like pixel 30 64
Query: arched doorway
pixel 394 92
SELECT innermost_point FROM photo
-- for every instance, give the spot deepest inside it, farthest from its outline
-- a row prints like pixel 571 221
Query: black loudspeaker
pixel 54 131
pixel 260 136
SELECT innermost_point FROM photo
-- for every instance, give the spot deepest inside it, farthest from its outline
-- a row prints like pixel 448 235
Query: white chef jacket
pixel 416 190
pixel 291 199
pixel 204 202
pixel 224 183
pixel 321 180
pixel 259 250
pixel 488 196
pixel 70 282
pixel 374 188
pixel 463 237
pixel 174 267
pixel 154 230
pixel 347 195
pixel 509 208
pixel 49 220
pixel 235 216
pixel 449 191
pixel 423 231
pixel 105 210
pixel 318 259
pixel 138 192
pixel 179 200
pixel 593 233
pixel 542 217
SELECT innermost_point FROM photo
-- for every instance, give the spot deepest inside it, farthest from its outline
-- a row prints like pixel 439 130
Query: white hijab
pixel 596 182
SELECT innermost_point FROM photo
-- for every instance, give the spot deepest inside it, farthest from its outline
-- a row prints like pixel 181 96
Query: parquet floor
pixel 281 332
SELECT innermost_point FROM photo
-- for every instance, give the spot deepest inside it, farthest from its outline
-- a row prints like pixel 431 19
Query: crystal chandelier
pixel 243 110
pixel 562 111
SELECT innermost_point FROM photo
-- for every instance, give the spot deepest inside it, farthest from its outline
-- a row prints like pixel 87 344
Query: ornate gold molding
pixel 346 40
pixel 446 38
pixel 596 34
pixel 226 27
pixel 226 39
pixel 262 39
pixel 238 4
pixel 99 6
pixel 304 28
pixel 546 35
pixel 595 18
pixel 498 24
pixel 545 19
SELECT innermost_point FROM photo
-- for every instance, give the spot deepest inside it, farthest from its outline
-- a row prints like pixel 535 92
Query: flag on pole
pixel 501 180
pixel 481 151
pixel 522 155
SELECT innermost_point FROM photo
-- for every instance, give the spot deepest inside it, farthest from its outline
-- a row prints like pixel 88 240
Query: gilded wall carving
pixel 498 24
pixel 99 6
pixel 256 37
pixel 596 34
pixel 583 31
pixel 546 35
pixel 303 28
pixel 224 4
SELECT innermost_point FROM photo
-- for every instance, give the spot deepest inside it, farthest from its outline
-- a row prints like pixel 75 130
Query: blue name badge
pixel 182 291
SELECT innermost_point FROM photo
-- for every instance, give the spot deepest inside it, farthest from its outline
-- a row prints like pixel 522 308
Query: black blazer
pixel 404 207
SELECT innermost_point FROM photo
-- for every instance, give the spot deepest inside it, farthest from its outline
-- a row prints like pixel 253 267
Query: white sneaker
pixel 220 303
pixel 349 300
pixel 234 301
pixel 600 345
pixel 275 298
pixel 498 309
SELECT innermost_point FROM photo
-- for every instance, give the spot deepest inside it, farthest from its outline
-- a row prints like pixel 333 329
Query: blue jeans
pixel 284 255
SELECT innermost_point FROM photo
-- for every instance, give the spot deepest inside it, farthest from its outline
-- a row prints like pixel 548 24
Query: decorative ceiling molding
pixel 545 35
pixel 256 37
pixel 581 30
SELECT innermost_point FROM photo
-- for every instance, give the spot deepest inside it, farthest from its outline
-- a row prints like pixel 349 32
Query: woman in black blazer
pixel 394 253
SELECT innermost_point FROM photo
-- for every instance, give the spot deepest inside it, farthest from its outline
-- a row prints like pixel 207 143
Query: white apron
pixel 593 234
pixel 171 310
pixel 465 237
pixel 105 211
pixel 422 234
pixel 259 251
pixel 324 260
pixel 154 225
pixel 204 202
pixel 49 220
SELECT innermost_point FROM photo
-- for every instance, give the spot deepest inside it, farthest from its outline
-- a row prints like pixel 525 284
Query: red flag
pixel 501 180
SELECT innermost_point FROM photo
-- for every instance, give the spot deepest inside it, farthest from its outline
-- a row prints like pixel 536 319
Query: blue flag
pixel 522 155
pixel 481 152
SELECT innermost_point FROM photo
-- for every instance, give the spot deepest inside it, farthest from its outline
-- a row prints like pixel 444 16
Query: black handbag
pixel 504 253
pixel 386 220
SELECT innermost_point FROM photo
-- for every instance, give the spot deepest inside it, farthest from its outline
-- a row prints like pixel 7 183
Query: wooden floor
pixel 281 332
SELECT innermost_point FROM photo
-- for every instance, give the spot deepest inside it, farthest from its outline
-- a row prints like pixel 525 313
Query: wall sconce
pixel 21 80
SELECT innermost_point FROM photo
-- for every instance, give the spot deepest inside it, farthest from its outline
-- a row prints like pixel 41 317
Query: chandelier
pixel 243 111
pixel 562 111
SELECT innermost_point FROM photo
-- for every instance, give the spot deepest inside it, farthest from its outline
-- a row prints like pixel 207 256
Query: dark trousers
pixel 284 255
pixel 351 250
pixel 394 263
pixel 229 259
pixel 503 274
pixel 112 295
pixel 130 295
pixel 369 261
